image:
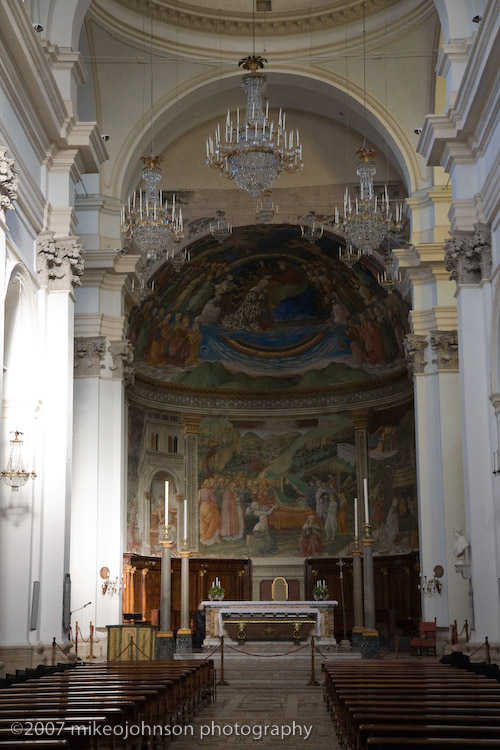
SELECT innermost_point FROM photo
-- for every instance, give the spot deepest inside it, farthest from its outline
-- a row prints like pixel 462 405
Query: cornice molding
pixel 386 391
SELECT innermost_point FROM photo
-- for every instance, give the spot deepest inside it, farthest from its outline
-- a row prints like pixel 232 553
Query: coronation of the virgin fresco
pixel 267 311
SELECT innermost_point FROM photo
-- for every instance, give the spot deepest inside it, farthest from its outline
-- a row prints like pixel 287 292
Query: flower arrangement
pixel 216 591
pixel 320 591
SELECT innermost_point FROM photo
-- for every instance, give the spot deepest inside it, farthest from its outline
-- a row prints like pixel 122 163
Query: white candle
pixel 367 508
pixel 166 502
pixel 356 530
pixel 185 518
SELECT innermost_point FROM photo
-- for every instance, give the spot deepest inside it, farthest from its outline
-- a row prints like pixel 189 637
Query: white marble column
pixel 468 257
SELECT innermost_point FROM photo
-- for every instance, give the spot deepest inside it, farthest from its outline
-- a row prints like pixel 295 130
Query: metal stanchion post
pixel 54 651
pixel 488 655
pixel 76 638
pixel 222 681
pixel 312 682
pixel 91 642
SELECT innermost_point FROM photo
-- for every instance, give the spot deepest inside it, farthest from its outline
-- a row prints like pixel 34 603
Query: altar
pixel 289 620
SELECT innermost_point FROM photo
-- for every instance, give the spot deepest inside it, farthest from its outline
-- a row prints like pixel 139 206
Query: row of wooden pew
pixel 121 696
pixel 411 705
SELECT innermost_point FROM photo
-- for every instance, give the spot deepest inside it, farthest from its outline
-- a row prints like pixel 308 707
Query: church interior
pixel 251 326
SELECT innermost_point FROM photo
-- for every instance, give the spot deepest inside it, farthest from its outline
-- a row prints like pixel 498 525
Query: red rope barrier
pixel 266 656
pixel 211 653
pixel 479 649
pixel 69 657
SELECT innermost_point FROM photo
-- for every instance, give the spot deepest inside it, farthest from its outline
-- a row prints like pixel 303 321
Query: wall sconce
pixel 109 585
pixel 432 585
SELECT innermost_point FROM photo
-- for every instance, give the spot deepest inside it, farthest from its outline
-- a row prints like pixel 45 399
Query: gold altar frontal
pixel 269 621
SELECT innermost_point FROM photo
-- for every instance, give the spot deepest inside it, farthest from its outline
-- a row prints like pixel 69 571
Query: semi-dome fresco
pixel 268 310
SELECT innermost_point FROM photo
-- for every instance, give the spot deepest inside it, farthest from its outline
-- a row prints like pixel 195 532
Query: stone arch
pixel 325 87
pixel 63 20
pixel 456 17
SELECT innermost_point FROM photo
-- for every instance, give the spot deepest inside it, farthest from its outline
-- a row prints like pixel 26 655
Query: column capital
pixel 360 420
pixel 122 354
pixel 445 344
pixel 468 255
pixel 89 355
pixel 179 497
pixel 59 262
pixel 9 182
pixel 191 423
pixel 415 346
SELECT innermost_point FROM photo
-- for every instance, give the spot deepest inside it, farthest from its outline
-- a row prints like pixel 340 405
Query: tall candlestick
pixel 185 519
pixel 356 530
pixel 166 502
pixel 367 508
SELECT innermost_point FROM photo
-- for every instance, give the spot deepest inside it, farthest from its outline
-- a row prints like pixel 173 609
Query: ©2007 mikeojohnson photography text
pixel 202 731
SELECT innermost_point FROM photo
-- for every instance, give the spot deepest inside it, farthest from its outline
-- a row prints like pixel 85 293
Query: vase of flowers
pixel 216 592
pixel 320 591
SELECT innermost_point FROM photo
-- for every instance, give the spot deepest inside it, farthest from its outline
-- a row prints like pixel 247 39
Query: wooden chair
pixel 426 638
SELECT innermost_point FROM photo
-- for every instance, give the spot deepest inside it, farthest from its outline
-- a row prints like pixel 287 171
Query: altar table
pixel 238 621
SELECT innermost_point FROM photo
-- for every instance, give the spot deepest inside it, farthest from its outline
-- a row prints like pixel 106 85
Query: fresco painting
pixel 268 311
pixel 286 487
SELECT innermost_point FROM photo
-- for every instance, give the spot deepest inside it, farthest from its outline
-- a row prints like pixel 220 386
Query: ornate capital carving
pixel 8 181
pixel 59 262
pixel 468 255
pixel 89 353
pixel 415 346
pixel 122 354
pixel 445 344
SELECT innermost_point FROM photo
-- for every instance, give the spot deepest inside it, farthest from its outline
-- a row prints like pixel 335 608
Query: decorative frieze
pixel 445 344
pixel 8 182
pixel 468 255
pixel 89 354
pixel 415 346
pixel 122 354
pixel 59 262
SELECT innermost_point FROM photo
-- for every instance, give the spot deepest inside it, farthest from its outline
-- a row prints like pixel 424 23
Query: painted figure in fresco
pixel 331 523
pixel 342 516
pixel 194 338
pixel 311 494
pixel 262 541
pixel 210 520
pixel 391 531
pixel 310 541
pixel 322 498
pixel 252 313
pixel 232 525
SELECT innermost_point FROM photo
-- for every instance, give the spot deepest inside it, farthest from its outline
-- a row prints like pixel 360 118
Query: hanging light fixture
pixel 349 256
pixel 311 228
pixel 367 219
pixel 266 210
pixel 220 229
pixel 253 150
pixel 15 475
pixel 148 219
pixel 389 278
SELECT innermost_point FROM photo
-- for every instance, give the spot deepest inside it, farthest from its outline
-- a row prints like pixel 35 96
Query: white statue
pixel 461 546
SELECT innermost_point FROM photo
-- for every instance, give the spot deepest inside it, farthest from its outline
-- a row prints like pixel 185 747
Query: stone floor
pixel 266 704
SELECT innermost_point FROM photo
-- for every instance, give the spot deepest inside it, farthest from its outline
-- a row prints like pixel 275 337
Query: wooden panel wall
pixel 142 580
pixel 397 597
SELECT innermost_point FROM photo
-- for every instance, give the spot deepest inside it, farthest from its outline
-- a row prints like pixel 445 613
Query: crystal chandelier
pixel 266 210
pixel 220 229
pixel 368 219
pixel 147 218
pixel 15 475
pixel 348 256
pixel 311 228
pixel 389 278
pixel 253 151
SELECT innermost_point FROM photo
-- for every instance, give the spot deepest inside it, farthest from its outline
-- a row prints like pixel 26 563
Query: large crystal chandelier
pixel 311 228
pixel 253 150
pixel 367 219
pixel 148 219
